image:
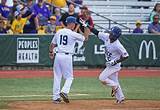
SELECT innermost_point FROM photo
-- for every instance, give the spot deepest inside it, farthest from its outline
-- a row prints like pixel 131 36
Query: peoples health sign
pixel 27 50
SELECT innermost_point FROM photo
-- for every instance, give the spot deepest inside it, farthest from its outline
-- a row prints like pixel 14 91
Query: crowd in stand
pixel 154 25
pixel 42 18
pixel 30 17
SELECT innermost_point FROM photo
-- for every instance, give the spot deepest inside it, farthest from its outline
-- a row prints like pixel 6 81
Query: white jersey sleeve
pixel 78 36
pixel 103 36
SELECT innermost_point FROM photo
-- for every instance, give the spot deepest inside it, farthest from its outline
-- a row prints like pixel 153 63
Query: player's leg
pixel 57 79
pixel 67 70
pixel 119 94
pixel 104 77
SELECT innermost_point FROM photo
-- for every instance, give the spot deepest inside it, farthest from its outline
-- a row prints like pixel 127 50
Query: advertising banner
pixel 33 50
pixel 27 50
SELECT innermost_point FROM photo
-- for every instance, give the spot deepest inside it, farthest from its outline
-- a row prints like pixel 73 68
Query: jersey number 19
pixel 63 39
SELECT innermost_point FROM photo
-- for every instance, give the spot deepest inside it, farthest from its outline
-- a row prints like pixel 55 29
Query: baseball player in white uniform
pixel 115 53
pixel 64 41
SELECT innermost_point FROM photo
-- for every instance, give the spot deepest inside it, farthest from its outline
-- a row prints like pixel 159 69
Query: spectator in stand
pixel 83 9
pixel 30 4
pixel 4 10
pixel 58 17
pixel 15 3
pixel 18 23
pixel 71 12
pixel 138 27
pixel 2 28
pixel 51 27
pixel 85 15
pixel 42 11
pixel 32 25
pixel 77 4
pixel 155 11
pixel 13 9
pixel 154 27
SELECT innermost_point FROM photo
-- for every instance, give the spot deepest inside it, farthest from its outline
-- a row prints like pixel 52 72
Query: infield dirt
pixel 86 105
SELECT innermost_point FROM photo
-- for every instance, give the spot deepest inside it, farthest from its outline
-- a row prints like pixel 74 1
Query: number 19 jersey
pixel 65 40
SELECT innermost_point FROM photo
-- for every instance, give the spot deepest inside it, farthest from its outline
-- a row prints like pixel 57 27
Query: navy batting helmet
pixel 71 19
pixel 116 31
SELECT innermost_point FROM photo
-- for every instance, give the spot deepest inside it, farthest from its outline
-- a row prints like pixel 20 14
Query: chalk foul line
pixel 17 96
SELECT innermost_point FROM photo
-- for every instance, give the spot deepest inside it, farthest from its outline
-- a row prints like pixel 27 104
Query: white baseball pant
pixel 62 67
pixel 110 76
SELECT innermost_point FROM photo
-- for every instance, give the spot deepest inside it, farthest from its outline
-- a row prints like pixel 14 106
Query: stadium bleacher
pixel 122 11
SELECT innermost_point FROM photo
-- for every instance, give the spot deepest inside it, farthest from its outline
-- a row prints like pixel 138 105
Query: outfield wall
pixel 30 50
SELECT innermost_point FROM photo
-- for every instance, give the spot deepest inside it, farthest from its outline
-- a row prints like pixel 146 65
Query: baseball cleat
pixel 120 101
pixel 57 101
pixel 64 97
pixel 113 92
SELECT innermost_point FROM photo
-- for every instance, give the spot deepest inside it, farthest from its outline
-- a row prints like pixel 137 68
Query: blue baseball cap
pixel 71 19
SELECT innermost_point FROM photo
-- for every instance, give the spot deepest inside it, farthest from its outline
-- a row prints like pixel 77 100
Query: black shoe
pixel 57 101
pixel 112 94
pixel 65 97
pixel 120 101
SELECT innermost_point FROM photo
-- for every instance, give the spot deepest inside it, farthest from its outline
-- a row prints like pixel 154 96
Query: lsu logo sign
pixel 99 49
pixel 27 50
pixel 147 46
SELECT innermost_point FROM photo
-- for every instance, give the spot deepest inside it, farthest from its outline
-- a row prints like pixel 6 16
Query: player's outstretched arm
pixel 93 30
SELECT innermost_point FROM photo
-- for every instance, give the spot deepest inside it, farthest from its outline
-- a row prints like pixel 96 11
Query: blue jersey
pixel 4 10
pixel 153 26
pixel 43 11
pixel 138 30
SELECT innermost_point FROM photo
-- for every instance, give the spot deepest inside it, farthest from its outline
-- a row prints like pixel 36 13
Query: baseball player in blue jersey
pixel 115 53
pixel 64 41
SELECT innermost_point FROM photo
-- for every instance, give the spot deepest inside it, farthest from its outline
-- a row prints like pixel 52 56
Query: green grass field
pixel 82 88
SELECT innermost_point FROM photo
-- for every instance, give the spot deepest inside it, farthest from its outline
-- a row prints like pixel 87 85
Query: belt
pixel 66 53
